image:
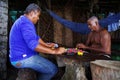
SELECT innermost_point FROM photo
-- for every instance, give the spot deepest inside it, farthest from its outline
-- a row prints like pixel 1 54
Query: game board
pixel 75 51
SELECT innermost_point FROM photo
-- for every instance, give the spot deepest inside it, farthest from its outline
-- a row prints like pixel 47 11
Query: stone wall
pixel 3 37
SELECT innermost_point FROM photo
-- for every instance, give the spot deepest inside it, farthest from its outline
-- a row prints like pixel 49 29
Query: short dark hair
pixel 32 7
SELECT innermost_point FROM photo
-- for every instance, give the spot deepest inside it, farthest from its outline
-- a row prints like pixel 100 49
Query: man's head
pixel 33 12
pixel 93 23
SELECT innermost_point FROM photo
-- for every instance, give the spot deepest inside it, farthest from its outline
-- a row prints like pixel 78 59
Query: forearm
pixel 44 49
pixel 43 43
pixel 101 50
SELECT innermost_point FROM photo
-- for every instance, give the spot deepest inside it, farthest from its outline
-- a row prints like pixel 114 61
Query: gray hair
pixel 93 18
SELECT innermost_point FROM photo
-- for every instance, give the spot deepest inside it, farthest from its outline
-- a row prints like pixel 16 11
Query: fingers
pixel 80 45
pixel 60 50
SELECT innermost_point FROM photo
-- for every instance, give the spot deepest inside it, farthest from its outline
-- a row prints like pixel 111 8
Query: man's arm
pixel 50 45
pixel 81 45
pixel 88 40
pixel 47 50
pixel 106 42
pixel 36 44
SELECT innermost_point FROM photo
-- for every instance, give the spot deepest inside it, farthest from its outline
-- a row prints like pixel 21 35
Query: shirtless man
pixel 99 40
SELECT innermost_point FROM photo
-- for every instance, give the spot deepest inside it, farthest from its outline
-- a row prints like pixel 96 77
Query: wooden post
pixel 58 34
pixel 105 70
pixel 68 33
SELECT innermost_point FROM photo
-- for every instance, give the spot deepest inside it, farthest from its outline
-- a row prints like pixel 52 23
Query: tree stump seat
pixel 78 67
pixel 105 70
pixel 26 74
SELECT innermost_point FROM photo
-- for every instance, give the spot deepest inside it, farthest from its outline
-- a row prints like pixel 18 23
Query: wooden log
pixel 74 71
pixel 26 74
pixel 105 70
pixel 78 67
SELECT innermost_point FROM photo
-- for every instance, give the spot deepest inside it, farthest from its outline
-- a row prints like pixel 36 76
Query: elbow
pixel 108 52
pixel 33 45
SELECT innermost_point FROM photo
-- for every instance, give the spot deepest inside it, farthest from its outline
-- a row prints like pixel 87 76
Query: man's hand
pixel 60 50
pixel 81 46
pixel 51 45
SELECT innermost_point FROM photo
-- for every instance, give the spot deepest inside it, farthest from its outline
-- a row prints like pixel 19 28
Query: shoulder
pixel 26 23
pixel 105 33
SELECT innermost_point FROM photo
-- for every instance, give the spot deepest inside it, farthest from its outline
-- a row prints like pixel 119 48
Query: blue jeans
pixel 45 68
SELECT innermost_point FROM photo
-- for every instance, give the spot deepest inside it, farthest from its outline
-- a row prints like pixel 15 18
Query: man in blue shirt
pixel 25 45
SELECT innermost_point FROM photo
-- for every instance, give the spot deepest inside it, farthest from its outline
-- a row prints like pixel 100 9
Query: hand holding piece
pixel 52 45
pixel 60 50
pixel 81 46
pixel 73 51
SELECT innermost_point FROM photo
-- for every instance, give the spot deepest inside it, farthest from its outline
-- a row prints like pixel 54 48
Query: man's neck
pixel 99 28
pixel 28 16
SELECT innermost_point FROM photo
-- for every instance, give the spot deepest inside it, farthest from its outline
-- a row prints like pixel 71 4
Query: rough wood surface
pixel 26 74
pixel 74 71
pixel 105 70
pixel 78 67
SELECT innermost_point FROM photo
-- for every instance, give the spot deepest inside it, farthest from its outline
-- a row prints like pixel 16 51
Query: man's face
pixel 92 25
pixel 35 16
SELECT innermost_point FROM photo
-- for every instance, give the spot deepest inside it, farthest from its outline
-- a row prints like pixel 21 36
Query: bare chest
pixel 95 38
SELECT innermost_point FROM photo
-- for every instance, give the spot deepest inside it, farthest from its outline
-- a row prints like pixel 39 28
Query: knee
pixel 54 70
